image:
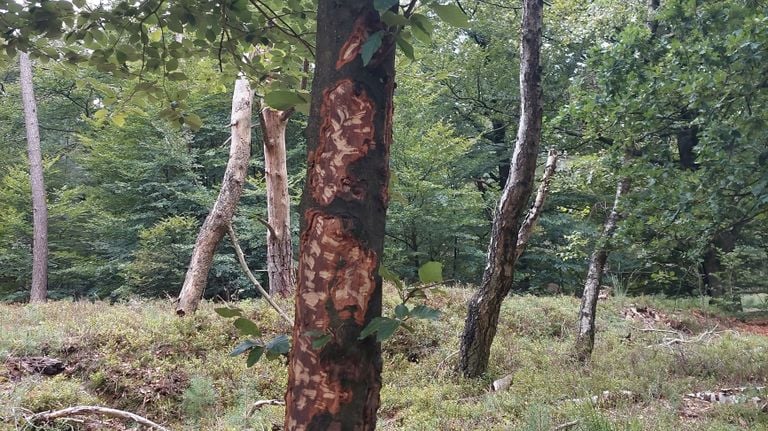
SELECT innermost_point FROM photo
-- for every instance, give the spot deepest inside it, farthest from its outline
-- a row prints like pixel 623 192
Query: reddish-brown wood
pixel 344 205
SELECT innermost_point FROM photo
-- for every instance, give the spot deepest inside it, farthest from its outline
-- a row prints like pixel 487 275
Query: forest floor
pixel 659 364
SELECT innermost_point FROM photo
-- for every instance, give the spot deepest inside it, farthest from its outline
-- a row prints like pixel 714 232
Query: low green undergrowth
pixel 140 357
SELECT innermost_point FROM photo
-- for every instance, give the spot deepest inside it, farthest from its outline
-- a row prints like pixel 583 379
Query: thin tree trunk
pixel 279 248
pixel 585 339
pixel 39 291
pixel 343 213
pixel 526 229
pixel 215 225
pixel 483 308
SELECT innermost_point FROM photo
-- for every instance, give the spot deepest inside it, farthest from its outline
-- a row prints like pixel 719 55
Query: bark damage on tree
pixel 484 306
pixel 343 208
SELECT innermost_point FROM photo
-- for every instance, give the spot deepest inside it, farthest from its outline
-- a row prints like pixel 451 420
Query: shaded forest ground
pixel 649 354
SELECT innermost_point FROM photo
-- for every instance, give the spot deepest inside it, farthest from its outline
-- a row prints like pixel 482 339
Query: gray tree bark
pixel 279 248
pixel 39 291
pixel 215 225
pixel 483 308
pixel 585 339
pixel 526 229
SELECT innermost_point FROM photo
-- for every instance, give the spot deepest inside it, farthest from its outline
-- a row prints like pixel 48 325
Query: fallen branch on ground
pixel 729 395
pixel 705 336
pixel 261 403
pixel 605 397
pixel 91 410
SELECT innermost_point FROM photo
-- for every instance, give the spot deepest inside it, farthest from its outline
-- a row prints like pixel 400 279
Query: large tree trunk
pixel 483 308
pixel 343 213
pixel 585 339
pixel 526 229
pixel 279 248
pixel 39 291
pixel 215 225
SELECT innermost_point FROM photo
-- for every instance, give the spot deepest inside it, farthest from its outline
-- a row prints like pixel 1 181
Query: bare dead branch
pixel 249 274
pixel 93 410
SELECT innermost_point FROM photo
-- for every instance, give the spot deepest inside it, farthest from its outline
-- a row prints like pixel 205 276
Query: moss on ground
pixel 140 357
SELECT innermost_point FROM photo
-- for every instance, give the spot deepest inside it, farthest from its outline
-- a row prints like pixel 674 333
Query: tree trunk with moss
pixel 39 290
pixel 485 304
pixel 215 225
pixel 344 204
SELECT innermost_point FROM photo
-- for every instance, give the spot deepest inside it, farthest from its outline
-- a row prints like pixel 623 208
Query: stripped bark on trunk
pixel 215 225
pixel 279 248
pixel 526 229
pixel 585 339
pixel 342 231
pixel 483 309
pixel 39 291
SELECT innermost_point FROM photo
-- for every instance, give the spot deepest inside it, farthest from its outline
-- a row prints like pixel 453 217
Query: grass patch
pixel 140 357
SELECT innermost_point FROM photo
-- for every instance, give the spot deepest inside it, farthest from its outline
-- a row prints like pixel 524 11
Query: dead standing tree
pixel 39 291
pixel 279 248
pixel 217 222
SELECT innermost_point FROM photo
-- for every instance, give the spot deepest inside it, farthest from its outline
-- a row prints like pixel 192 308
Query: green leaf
pixel 247 327
pixel 118 119
pixel 320 342
pixel 156 35
pixel 383 327
pixel 431 272
pixel 177 76
pixel 405 47
pixel 387 329
pixel 285 99
pixel 451 14
pixel 100 115
pixel 424 312
pixel 254 356
pixel 193 121
pixel 388 275
pixel 371 46
pixel 243 347
pixel 401 311
pixel 382 5
pixel 394 19
pixel 422 28
pixel 279 345
pixel 228 312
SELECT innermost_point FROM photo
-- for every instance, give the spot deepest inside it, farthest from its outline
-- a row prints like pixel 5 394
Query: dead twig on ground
pixel 70 412
pixel 261 403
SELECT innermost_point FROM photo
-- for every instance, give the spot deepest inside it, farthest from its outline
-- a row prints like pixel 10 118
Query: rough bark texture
pixel 526 229
pixel 39 291
pixel 585 339
pixel 483 308
pixel 279 248
pixel 215 225
pixel 343 208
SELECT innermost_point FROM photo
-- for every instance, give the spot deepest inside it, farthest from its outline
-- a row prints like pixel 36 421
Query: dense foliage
pixel 681 109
